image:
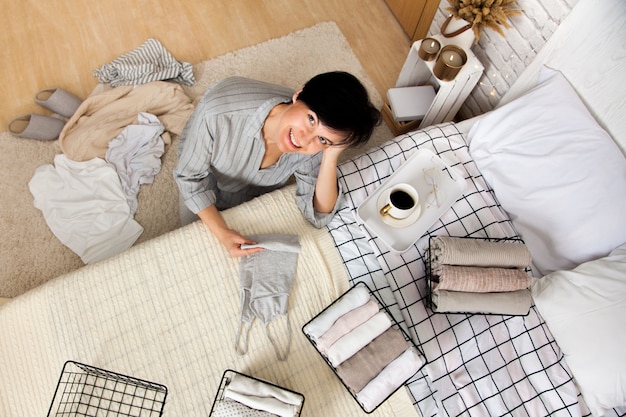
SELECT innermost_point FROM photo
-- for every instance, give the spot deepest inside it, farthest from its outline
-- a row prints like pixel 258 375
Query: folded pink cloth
pixel 357 339
pixel 347 323
pixel 479 279
pixel 361 368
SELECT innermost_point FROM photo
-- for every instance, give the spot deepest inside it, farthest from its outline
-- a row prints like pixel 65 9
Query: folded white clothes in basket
pixel 261 396
pixel 232 408
pixel 364 346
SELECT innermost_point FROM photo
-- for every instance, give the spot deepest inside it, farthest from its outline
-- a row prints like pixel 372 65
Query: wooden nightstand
pixel 450 94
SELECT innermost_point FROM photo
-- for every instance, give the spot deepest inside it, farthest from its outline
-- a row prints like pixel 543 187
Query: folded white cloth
pixel 85 207
pixel 262 396
pixel 230 408
pixel 357 339
pixel 271 405
pixel 355 297
pixel 390 379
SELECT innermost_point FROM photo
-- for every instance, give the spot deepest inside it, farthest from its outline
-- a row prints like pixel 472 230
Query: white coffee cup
pixel 401 202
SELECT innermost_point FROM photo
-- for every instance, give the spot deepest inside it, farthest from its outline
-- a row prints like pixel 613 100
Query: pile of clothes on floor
pixel 112 143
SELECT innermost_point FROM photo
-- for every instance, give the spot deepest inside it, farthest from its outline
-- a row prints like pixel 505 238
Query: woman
pixel 246 138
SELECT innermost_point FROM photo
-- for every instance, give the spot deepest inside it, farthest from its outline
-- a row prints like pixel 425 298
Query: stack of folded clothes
pixel 247 396
pixel 471 275
pixel 370 355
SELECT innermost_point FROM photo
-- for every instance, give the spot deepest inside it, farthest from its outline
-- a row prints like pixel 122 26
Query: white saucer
pixel 392 221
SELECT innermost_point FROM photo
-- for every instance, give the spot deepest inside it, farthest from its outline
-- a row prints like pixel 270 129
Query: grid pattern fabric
pixel 476 364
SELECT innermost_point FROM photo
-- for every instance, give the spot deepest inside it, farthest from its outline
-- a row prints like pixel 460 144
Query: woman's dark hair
pixel 341 104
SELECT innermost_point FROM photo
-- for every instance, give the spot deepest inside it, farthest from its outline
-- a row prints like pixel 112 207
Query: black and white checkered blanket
pixel 479 365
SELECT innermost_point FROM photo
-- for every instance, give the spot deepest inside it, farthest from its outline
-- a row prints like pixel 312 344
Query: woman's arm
pixel 229 238
pixel 326 190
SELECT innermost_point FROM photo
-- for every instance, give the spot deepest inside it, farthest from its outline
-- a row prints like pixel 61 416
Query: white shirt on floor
pixel 85 207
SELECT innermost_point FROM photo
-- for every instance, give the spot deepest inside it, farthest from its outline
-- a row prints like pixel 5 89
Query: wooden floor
pixel 58 43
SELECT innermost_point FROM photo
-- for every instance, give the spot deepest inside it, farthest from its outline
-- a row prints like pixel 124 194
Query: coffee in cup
pixel 402 201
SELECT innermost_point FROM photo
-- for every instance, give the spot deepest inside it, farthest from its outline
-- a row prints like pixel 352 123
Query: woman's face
pixel 300 130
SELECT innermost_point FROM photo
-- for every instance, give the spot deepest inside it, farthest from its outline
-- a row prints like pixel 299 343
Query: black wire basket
pixel 395 325
pixel 432 279
pixel 85 390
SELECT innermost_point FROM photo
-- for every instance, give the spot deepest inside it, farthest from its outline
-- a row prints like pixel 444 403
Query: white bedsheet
pixel 167 311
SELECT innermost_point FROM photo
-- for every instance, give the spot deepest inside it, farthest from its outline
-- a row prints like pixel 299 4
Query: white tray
pixel 400 236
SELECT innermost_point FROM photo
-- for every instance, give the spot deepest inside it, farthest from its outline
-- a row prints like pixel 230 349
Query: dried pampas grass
pixel 492 14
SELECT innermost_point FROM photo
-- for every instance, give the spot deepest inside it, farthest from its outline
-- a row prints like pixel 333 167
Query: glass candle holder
pixel 429 48
pixel 449 62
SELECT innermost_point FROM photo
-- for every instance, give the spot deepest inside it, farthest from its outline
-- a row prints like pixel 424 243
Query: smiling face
pixel 296 128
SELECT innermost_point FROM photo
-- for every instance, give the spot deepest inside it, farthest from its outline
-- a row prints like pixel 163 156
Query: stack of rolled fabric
pixel 372 358
pixel 478 276
pixel 246 396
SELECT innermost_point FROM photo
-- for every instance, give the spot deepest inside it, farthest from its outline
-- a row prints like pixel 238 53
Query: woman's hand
pixel 333 152
pixel 230 239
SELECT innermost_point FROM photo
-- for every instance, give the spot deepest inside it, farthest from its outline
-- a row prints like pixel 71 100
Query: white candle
pixel 453 58
pixel 429 48
pixel 449 63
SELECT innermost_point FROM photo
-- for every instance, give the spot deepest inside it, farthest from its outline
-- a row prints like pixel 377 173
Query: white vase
pixel 457 32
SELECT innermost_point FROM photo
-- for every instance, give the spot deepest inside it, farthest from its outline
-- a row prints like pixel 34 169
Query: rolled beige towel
pixel 478 252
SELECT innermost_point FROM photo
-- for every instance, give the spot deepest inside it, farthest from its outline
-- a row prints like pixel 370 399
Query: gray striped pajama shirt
pixel 221 149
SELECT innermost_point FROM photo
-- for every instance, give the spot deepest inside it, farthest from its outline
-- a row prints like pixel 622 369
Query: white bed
pixel 561 181
pixel 167 310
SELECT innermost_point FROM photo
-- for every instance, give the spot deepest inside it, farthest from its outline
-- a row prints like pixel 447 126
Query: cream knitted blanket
pixel 167 311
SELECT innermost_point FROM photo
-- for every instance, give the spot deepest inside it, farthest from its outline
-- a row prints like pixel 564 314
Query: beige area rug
pixel 30 254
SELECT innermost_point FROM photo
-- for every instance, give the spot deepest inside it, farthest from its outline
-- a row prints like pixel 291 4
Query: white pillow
pixel 585 310
pixel 558 174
